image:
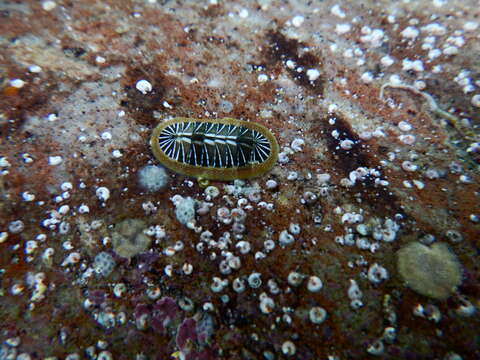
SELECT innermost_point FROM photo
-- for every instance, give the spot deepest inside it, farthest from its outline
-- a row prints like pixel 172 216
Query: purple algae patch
pixel 164 311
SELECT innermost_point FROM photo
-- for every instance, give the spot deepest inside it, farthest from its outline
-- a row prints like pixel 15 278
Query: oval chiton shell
pixel 215 149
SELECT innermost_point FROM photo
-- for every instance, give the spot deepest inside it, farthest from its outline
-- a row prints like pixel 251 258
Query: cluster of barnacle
pixel 229 248
pixel 360 231
pixel 295 146
pixel 9 349
pixel 389 335
pixel 361 174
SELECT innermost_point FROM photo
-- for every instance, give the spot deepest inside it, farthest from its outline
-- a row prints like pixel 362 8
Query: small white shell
pixel 317 314
pixel 314 284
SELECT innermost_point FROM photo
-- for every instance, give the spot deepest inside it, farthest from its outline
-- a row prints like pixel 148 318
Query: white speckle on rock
pixel 346 144
pixel 409 166
pixel 435 29
pixel 387 60
pixel 243 13
pixel 100 60
pixel 419 184
pixel 290 64
pixel 332 108
pixel 117 153
pixel 83 209
pixel 415 65
pixel 367 77
pixel 64 209
pixel 337 11
pixel 395 79
pixel 49 5
pixel 271 184
pixel 341 29
pixel 420 84
pixel 55 160
pixel 439 3
pixel 374 37
pixel 17 83
pixel 476 100
pixel 407 139
pixel 298 20
pixel 34 69
pixel 52 117
pixel 297 144
pixel 262 78
pixel 313 74
pixel 143 86
pixel 106 135
pixel 470 26
pixel 434 53
pixel 26 196
pixel 450 50
pixel 410 32
pixel 404 126
pixel 103 194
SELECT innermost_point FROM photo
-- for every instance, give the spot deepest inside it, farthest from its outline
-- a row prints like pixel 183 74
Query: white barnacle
pixel 289 348
pixel 102 193
pixel 269 245
pixel 297 144
pixel 377 274
pixel 354 291
pixel 217 284
pixel 16 227
pixel 243 246
pixel 271 184
pixel 234 262
pixel 143 86
pixel 119 290
pixel 54 160
pixel 267 305
pixel 317 314
pixel 238 285
pixel 255 280
pixel 376 348
pixel 294 278
pixel 72 258
pixel 294 228
pixel 153 293
pixel 286 238
pixel 3 236
pixel 187 268
pixel 314 284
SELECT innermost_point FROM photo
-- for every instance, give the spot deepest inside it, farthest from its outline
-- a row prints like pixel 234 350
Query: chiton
pixel 215 149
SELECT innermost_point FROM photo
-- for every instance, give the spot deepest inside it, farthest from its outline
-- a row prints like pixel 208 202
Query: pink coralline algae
pixel 164 311
pixel 159 315
pixel 189 341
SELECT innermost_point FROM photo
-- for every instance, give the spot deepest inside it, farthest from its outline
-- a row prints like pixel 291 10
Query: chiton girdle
pixel 215 149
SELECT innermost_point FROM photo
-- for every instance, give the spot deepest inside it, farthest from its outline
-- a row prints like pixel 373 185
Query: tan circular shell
pixel 431 271
pixel 212 173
